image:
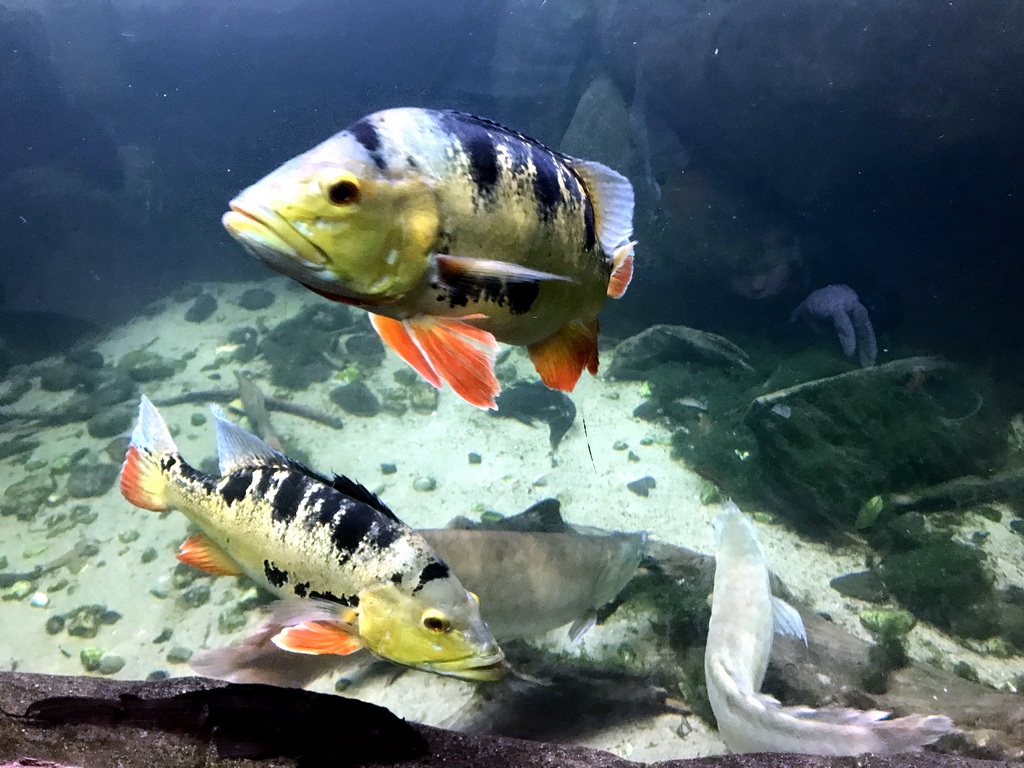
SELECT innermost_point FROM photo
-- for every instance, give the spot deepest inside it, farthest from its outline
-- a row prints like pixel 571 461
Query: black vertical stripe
pixel 288 498
pixel 479 145
pixel 590 234
pixel 365 132
pixel 235 487
pixel 545 183
pixel 348 531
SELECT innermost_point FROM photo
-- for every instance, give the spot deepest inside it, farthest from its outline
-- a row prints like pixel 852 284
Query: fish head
pixel 334 221
pixel 438 629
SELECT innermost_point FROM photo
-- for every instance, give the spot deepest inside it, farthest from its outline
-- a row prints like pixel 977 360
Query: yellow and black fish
pixel 358 576
pixel 454 232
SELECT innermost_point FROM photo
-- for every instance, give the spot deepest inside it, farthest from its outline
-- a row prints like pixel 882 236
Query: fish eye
pixel 435 621
pixel 343 190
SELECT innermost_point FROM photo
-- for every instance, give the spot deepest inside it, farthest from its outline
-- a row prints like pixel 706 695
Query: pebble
pixel 620 445
pixel 19 590
pixel 88 481
pixel 164 636
pixel 632 457
pixel 197 419
pixel 356 398
pixel 179 654
pixel 203 306
pixel 423 397
pixel 425 483
pixel 540 481
pixel 40 600
pixel 127 537
pixel 475 458
pixel 253 598
pixel 157 675
pixel 55 625
pixel 111 422
pixel 231 620
pixel 90 658
pixel 196 595
pixel 256 299
pixel 642 486
pixel 388 468
pixel 109 664
pixel 149 555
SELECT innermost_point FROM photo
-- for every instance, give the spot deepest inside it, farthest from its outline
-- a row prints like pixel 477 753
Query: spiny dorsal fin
pixel 238 448
pixel 359 492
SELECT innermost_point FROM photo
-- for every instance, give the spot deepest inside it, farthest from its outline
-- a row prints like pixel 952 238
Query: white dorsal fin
pixel 237 448
pixel 151 432
pixel 612 197
pixel 786 620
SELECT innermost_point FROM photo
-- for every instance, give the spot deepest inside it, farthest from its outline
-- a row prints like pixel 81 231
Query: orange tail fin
pixel 561 358
pixel 142 482
pixel 315 638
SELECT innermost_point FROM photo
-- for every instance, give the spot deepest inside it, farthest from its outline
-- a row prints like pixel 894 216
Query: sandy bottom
pixel 516 471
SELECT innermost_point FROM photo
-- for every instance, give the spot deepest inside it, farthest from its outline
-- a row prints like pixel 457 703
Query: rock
pixel 822 463
pixel 109 664
pixel 84 621
pixel 642 486
pixel 55 625
pixel 862 585
pixel 89 480
pixel 388 468
pixel 196 595
pixel 90 359
pixel 17 446
pixel 202 307
pixel 164 636
pixel 424 484
pixel 256 299
pixel 25 497
pixel 12 389
pixel 119 389
pixel 231 620
pixel 475 458
pixel 423 397
pixel 19 590
pixel 888 622
pixel 620 445
pixel 365 349
pixel 638 355
pixel 295 347
pixel 116 449
pixel 356 398
pixel 156 675
pixel 197 419
pixel 149 554
pixel 63 376
pixel 142 366
pixel 179 654
pixel 111 421
pixel 90 658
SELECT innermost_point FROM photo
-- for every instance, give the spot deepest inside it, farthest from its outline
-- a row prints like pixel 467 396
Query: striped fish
pixel 455 233
pixel 358 576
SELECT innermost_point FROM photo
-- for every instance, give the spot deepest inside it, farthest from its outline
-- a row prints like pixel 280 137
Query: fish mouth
pixel 272 240
pixel 476 668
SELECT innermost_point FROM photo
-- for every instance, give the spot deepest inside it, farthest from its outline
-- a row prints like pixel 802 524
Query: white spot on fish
pixel 392 257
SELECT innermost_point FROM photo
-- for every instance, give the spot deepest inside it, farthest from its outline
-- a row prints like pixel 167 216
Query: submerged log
pixel 190 722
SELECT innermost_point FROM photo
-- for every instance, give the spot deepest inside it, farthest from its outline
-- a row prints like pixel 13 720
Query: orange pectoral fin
pixel 561 358
pixel 462 354
pixel 395 333
pixel 201 552
pixel 315 638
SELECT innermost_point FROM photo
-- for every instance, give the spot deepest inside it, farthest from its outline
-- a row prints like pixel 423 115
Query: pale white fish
pixel 744 617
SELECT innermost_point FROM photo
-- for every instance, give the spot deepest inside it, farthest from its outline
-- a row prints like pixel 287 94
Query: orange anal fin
pixel 561 358
pixel 395 333
pixel 622 271
pixel 200 551
pixel 315 638
pixel 462 354
pixel 142 483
